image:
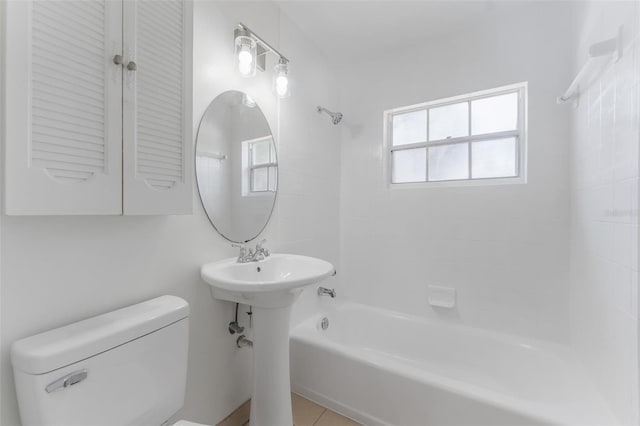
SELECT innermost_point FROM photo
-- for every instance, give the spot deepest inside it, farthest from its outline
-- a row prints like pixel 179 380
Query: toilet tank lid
pixel 66 345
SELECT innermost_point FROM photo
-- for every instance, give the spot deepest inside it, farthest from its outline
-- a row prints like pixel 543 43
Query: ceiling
pixel 347 28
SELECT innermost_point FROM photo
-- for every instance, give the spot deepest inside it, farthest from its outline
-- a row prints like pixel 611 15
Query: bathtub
pixel 385 368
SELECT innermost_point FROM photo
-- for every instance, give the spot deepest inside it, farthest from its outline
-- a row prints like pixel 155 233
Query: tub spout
pixel 328 291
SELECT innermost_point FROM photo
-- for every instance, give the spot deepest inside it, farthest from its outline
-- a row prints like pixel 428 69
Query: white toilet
pixel 127 367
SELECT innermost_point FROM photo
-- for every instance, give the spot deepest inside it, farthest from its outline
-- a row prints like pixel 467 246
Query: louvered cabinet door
pixel 157 151
pixel 63 107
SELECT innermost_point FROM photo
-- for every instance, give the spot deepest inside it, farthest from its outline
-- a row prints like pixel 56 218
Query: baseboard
pixel 239 417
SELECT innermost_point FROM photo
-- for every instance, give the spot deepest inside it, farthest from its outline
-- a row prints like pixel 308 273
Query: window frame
pixel 520 133
pixel 249 167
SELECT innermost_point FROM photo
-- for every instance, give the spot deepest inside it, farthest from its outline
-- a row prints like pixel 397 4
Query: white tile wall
pixel 309 203
pixel 504 248
pixel 604 210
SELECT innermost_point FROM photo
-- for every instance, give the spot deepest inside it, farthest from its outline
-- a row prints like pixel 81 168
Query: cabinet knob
pixel 132 66
pixel 117 59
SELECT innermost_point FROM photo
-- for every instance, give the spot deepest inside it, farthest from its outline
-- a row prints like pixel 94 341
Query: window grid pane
pixel 449 121
pixel 259 179
pixel 494 158
pixel 409 165
pixel 260 153
pixel 494 114
pixel 409 127
pixel 449 162
pixel 264 179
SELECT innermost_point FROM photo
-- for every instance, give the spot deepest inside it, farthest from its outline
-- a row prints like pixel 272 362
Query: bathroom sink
pixel 273 282
pixel 271 286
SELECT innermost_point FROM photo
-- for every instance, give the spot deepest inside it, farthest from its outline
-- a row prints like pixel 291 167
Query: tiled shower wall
pixel 504 248
pixel 604 208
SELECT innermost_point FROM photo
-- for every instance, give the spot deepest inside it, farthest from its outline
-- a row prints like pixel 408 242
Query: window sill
pixel 459 183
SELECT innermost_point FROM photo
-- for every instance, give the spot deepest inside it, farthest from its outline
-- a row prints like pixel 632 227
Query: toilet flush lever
pixel 68 380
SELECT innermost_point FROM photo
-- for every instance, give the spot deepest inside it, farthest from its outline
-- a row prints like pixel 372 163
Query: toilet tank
pixel 126 367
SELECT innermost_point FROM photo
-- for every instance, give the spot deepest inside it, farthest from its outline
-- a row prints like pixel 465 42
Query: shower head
pixel 335 116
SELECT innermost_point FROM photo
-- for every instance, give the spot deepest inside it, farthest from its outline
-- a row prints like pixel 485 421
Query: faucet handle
pixel 243 252
pixel 261 249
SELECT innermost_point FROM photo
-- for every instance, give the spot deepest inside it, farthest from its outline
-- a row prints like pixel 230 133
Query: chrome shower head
pixel 336 117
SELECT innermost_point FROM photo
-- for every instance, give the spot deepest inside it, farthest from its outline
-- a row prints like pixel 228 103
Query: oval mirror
pixel 236 166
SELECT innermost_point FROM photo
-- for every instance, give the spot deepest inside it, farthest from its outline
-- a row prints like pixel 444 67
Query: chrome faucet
pixel 328 291
pixel 250 255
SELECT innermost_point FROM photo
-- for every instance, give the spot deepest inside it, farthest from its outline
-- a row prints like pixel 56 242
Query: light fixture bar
pixel 266 46
pixel 251 54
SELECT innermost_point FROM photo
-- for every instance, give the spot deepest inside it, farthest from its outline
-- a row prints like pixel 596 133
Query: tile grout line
pixel 320 416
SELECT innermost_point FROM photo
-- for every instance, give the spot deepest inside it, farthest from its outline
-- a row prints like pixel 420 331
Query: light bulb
pixel 245 54
pixel 281 79
pixel 282 85
pixel 244 68
pixel 245 57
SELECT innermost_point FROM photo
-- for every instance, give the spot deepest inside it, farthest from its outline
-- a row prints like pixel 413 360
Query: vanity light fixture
pixel 250 54
pixel 281 79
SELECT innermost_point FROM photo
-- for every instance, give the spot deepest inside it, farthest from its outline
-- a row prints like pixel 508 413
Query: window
pixel 260 165
pixel 470 138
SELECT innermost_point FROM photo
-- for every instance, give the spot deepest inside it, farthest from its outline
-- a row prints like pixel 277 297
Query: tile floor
pixel 305 413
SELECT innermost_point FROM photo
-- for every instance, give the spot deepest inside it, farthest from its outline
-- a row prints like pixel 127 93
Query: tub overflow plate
pixel 324 323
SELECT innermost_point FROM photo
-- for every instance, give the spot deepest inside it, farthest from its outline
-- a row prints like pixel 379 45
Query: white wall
pixel 604 209
pixel 56 270
pixel 308 193
pixel 504 248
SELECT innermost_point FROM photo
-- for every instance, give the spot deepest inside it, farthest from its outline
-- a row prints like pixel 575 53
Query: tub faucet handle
pixel 327 291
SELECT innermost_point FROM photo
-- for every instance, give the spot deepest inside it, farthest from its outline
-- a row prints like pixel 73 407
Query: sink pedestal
pixel 271 396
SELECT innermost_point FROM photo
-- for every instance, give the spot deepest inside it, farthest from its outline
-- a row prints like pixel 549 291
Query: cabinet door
pixel 157 160
pixel 63 107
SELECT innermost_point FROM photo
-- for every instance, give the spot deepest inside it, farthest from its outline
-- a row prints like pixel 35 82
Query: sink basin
pixel 273 282
pixel 270 286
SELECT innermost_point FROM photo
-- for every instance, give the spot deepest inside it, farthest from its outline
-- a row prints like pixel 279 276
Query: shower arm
pixel 336 117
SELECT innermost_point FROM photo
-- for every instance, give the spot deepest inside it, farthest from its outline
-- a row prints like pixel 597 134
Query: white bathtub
pixel 384 368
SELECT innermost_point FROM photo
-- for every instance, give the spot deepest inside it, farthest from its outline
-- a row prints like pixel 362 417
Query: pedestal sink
pixel 270 286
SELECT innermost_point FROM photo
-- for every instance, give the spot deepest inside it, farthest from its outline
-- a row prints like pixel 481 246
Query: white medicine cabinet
pixel 98 107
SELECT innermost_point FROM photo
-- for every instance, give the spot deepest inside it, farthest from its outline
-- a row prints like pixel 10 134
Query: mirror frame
pixel 195 170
